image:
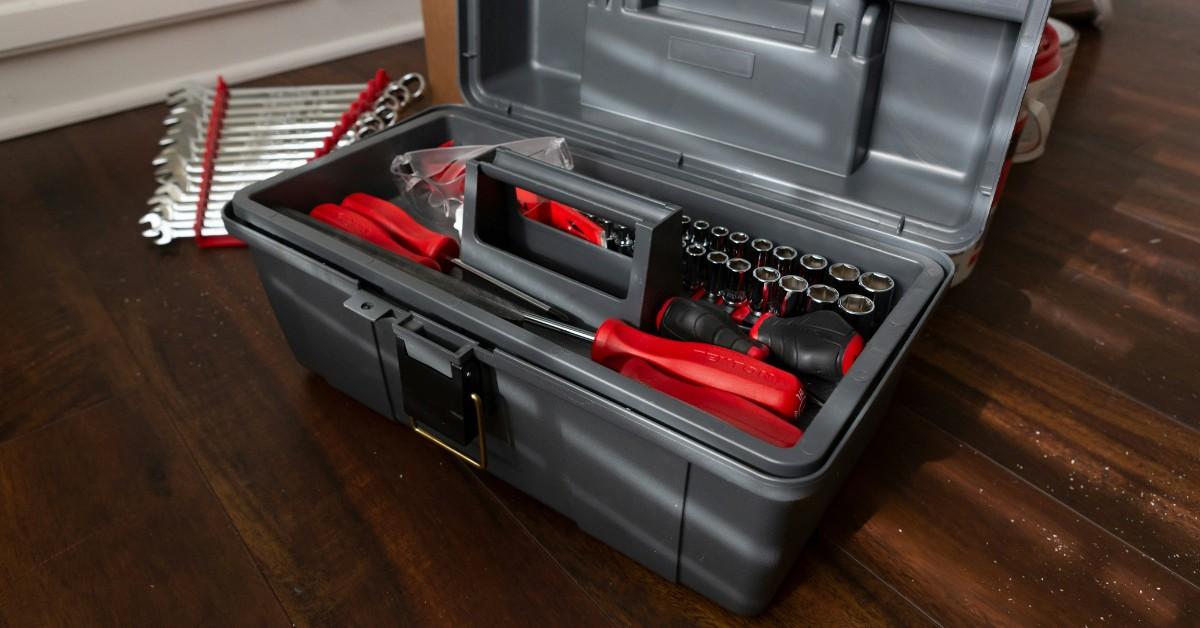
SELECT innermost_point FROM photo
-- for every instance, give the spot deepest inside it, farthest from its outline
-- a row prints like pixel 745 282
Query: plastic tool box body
pixel 870 132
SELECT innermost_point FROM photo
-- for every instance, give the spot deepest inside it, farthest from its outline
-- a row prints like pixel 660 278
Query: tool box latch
pixel 442 384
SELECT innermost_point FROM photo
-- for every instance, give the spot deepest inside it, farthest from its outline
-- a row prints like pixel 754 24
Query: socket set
pixel 218 140
pixel 754 277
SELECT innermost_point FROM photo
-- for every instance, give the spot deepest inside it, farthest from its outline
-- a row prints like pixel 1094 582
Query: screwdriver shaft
pixel 550 323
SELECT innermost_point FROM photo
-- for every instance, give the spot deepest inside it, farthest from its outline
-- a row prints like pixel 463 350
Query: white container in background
pixel 1044 92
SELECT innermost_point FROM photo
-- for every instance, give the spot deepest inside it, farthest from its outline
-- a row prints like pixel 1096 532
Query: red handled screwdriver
pixel 738 412
pixel 367 229
pixel 695 362
pixel 406 230
pixel 411 234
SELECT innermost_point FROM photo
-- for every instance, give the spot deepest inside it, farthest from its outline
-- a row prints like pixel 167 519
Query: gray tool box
pixel 871 132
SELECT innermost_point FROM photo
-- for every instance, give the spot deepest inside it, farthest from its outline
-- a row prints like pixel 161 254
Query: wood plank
pixel 972 544
pixel 56 332
pixel 826 588
pixel 1092 256
pixel 147 544
pixel 1120 463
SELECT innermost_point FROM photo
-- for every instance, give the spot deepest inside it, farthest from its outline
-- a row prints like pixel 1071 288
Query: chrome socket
pixel 622 239
pixel 715 278
pixel 718 237
pixel 859 311
pixel 735 292
pixel 821 297
pixel 812 267
pixel 783 259
pixel 699 232
pixel 844 277
pixel 693 267
pixel 882 291
pixel 793 291
pixel 735 244
pixel 761 250
pixel 764 290
pixel 685 222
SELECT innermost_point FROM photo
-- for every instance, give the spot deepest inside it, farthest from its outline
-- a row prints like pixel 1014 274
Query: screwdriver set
pixel 684 336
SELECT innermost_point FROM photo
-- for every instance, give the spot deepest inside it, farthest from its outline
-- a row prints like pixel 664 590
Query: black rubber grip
pixel 701 321
pixel 814 344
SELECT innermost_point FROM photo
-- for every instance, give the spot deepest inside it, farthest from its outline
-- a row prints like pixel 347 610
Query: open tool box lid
pixel 892 116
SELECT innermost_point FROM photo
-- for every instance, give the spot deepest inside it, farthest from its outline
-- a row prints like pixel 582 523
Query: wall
pixel 76 80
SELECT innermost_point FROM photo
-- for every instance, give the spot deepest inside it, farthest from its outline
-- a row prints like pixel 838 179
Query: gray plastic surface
pixel 903 129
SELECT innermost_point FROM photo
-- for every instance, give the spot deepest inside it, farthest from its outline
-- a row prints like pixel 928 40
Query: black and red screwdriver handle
pixel 701 321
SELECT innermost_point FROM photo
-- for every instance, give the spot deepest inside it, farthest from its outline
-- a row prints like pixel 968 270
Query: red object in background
pixel 365 98
pixel 1049 55
pixel 1008 155
pixel 734 410
pixel 1047 61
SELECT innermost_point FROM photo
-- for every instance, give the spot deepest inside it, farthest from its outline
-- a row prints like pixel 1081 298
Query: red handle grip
pixel 704 365
pixel 561 217
pixel 366 229
pixel 740 413
pixel 403 227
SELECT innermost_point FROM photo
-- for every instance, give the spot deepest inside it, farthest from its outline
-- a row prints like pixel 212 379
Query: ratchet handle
pixel 701 321
pixel 745 415
pixel 704 365
pixel 402 226
pixel 366 229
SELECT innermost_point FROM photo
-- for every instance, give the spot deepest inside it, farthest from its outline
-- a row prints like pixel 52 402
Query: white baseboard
pixel 55 110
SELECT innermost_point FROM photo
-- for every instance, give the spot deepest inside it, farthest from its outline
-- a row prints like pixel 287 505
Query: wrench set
pixel 219 140
pixel 755 277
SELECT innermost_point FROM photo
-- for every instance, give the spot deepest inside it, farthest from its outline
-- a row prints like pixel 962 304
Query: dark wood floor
pixel 164 460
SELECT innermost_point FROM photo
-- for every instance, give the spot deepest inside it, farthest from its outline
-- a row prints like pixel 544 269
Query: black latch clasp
pixel 442 384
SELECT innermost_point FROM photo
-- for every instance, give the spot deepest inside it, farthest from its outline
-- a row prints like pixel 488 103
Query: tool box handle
pixel 591 283
pixel 583 193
